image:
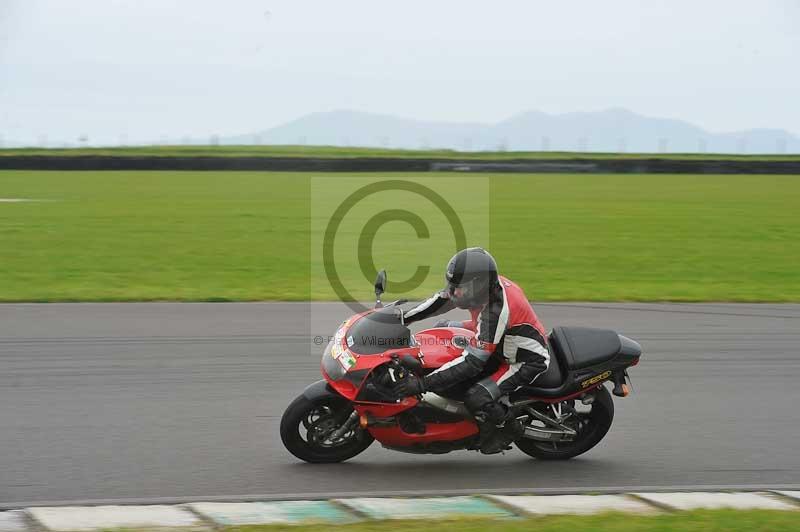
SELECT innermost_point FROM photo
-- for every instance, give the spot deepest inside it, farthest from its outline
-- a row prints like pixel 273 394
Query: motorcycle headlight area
pixel 337 360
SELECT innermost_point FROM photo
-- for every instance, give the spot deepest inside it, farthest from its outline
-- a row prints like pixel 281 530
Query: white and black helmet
pixel 470 276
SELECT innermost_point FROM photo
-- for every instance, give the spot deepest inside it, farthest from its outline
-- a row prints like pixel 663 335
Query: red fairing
pixel 437 345
pixel 434 347
pixel 349 390
pixel 384 409
pixel 344 388
pixel 433 432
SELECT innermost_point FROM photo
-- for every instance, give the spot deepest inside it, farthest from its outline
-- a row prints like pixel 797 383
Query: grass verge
pixel 705 521
pixel 244 236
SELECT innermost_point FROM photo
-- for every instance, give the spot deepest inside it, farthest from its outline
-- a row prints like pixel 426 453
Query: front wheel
pixel 592 426
pixel 309 430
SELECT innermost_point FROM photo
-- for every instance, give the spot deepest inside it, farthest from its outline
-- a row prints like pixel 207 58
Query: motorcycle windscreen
pixel 378 332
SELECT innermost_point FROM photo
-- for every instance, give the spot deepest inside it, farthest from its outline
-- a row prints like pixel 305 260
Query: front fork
pixel 349 424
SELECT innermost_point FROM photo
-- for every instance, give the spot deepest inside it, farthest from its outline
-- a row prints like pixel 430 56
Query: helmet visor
pixel 468 293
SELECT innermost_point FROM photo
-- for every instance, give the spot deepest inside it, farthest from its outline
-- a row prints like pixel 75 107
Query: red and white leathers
pixel 506 327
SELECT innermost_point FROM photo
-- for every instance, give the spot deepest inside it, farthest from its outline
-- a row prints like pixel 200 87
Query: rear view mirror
pixel 380 287
pixel 380 283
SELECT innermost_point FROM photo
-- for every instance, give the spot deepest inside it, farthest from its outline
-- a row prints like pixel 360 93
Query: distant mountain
pixel 612 130
pixel 353 128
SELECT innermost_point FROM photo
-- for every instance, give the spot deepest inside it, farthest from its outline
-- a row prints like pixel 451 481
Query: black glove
pixel 411 385
pixel 447 323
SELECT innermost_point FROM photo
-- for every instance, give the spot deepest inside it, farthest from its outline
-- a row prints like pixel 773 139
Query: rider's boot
pixel 496 437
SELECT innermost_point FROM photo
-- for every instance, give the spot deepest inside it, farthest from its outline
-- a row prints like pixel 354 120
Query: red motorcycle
pixel 565 412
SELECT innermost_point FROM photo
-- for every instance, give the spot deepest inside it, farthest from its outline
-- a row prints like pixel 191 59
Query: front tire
pixel 306 423
pixel 599 421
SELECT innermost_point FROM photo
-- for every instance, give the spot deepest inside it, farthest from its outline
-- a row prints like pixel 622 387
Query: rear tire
pixel 600 419
pixel 304 415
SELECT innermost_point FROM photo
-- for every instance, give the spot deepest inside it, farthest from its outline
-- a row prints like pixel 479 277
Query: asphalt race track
pixel 150 401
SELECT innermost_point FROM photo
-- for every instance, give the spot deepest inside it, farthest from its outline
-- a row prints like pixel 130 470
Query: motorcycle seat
pixel 582 347
pixel 552 377
pixel 576 348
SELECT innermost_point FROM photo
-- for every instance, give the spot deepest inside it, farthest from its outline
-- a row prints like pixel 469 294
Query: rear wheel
pixel 309 430
pixel 591 426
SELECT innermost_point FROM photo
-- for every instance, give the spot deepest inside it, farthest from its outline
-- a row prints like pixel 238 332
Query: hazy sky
pixel 150 69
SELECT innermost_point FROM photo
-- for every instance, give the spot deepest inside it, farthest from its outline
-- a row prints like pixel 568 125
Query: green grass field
pixel 697 521
pixel 343 152
pixel 198 236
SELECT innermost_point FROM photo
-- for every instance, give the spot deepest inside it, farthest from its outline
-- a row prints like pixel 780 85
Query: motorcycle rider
pixel 505 325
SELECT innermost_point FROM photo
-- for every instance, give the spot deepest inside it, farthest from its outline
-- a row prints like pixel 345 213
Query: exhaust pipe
pixel 542 434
